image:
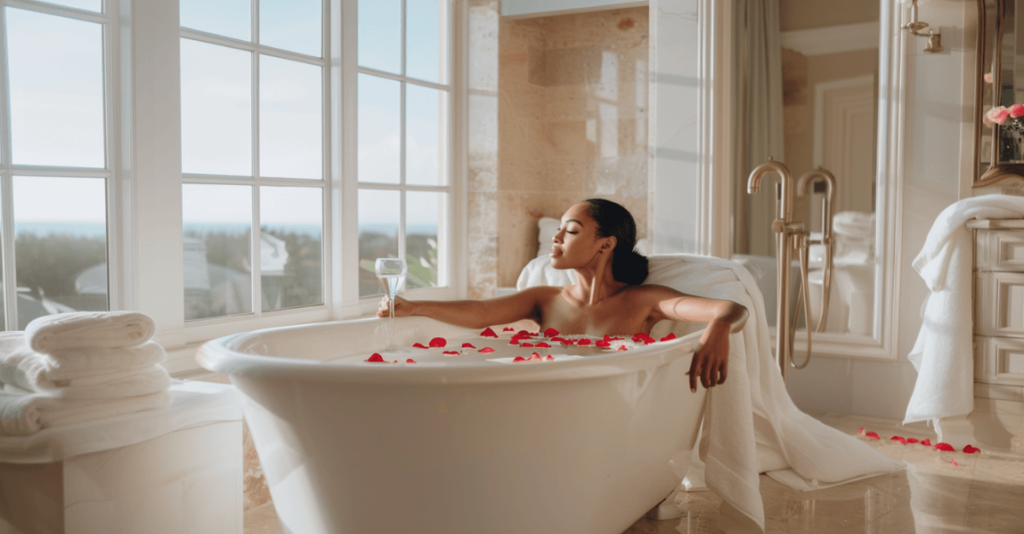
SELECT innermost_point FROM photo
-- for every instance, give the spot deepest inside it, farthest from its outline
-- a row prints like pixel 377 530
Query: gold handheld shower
pixel 792 237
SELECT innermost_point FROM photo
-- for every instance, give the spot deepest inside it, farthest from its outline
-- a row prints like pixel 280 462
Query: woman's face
pixel 576 243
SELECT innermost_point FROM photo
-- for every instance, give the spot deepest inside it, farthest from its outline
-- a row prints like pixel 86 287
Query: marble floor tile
pixel 983 493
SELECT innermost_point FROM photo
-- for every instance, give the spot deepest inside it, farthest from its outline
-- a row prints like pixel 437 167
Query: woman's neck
pixel 595 280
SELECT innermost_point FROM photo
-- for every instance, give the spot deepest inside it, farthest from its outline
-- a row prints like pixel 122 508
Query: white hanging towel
pixel 943 352
pixel 89 329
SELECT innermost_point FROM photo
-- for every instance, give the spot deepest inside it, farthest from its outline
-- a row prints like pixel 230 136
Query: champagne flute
pixel 390 275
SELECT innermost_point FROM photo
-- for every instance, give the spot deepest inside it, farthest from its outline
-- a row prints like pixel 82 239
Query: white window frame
pixel 151 179
pixel 453 226
pixel 256 181
pixel 110 77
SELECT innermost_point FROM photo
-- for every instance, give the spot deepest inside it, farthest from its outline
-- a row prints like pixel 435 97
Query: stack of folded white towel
pixel 76 367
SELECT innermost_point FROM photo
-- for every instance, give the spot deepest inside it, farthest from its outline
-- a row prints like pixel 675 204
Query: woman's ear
pixel 609 244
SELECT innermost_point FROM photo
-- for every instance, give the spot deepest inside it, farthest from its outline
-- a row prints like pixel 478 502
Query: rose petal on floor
pixel 900 439
pixel 873 435
pixel 969 449
pixel 861 431
pixel 926 442
pixel 912 440
pixel 375 358
pixel 941 446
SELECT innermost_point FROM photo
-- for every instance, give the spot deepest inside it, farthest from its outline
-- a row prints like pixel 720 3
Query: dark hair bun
pixel 629 267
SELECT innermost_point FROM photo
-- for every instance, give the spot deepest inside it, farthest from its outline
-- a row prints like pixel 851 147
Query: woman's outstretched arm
pixel 525 304
pixel 711 361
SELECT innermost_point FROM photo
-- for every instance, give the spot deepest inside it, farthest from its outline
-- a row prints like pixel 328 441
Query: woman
pixel 596 239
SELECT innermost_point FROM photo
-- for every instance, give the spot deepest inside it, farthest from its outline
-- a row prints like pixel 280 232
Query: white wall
pixel 934 117
pixel 545 8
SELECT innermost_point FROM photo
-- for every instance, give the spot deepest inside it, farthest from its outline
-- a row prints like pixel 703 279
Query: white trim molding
pixel 832 39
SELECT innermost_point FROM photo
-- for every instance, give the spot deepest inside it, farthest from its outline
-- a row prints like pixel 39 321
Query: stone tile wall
pixel 566 102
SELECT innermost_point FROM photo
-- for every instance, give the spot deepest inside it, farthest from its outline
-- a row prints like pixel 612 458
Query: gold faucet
pixel 791 236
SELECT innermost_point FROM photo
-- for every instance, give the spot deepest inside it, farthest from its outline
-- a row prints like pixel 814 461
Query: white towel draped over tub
pixel 943 354
pixel 751 425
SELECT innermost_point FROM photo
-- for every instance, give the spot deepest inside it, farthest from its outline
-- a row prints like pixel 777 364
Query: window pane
pixel 56 77
pixel 426 47
pixel 379 130
pixel 294 25
pixel 291 120
pixel 291 219
pixel 60 245
pixel 378 234
pixel 380 35
pixel 425 125
pixel 216 109
pixel 88 5
pixel 425 245
pixel 217 224
pixel 229 18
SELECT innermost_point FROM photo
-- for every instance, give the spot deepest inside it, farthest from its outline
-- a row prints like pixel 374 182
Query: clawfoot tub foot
pixel 667 508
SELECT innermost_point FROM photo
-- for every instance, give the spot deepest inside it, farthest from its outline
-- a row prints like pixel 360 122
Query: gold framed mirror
pixel 999 130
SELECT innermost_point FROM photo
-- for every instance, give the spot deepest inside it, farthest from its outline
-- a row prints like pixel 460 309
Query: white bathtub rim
pixel 219 355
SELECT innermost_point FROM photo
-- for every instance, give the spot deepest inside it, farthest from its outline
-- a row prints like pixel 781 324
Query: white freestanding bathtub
pixel 459 444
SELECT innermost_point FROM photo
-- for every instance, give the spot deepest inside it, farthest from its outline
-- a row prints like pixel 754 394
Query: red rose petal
pixel 550 332
pixel 861 431
pixel 971 450
pixel 514 341
pixel 912 440
pixel 941 446
pixel 488 333
pixel 583 342
pixel 549 357
pixel 621 347
pixel 534 334
pixel 526 345
pixel 642 337
pixel 419 345
pixel 375 358
pixel 899 439
pixel 542 345
pixel 953 463
pixel 438 342
pixel 523 333
pixel 451 352
pixel 602 343
pixel 873 435
pixel 926 442
pixel 669 337
pixel 508 329
pixel 559 339
pixel 535 356
pixel 468 346
pixel 410 360
pixel 487 350
pixel 518 359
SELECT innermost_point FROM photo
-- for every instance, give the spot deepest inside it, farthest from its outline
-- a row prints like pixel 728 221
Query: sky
pixel 56 67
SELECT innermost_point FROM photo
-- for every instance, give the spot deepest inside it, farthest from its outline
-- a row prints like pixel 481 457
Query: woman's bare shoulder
pixel 653 291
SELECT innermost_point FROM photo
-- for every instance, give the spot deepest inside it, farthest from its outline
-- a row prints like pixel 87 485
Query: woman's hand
pixel 711 361
pixel 403 308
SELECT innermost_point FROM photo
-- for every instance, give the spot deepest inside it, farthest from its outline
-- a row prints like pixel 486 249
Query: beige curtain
pixel 757 122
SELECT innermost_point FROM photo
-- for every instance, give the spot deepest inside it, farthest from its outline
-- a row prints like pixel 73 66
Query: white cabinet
pixel 999 301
